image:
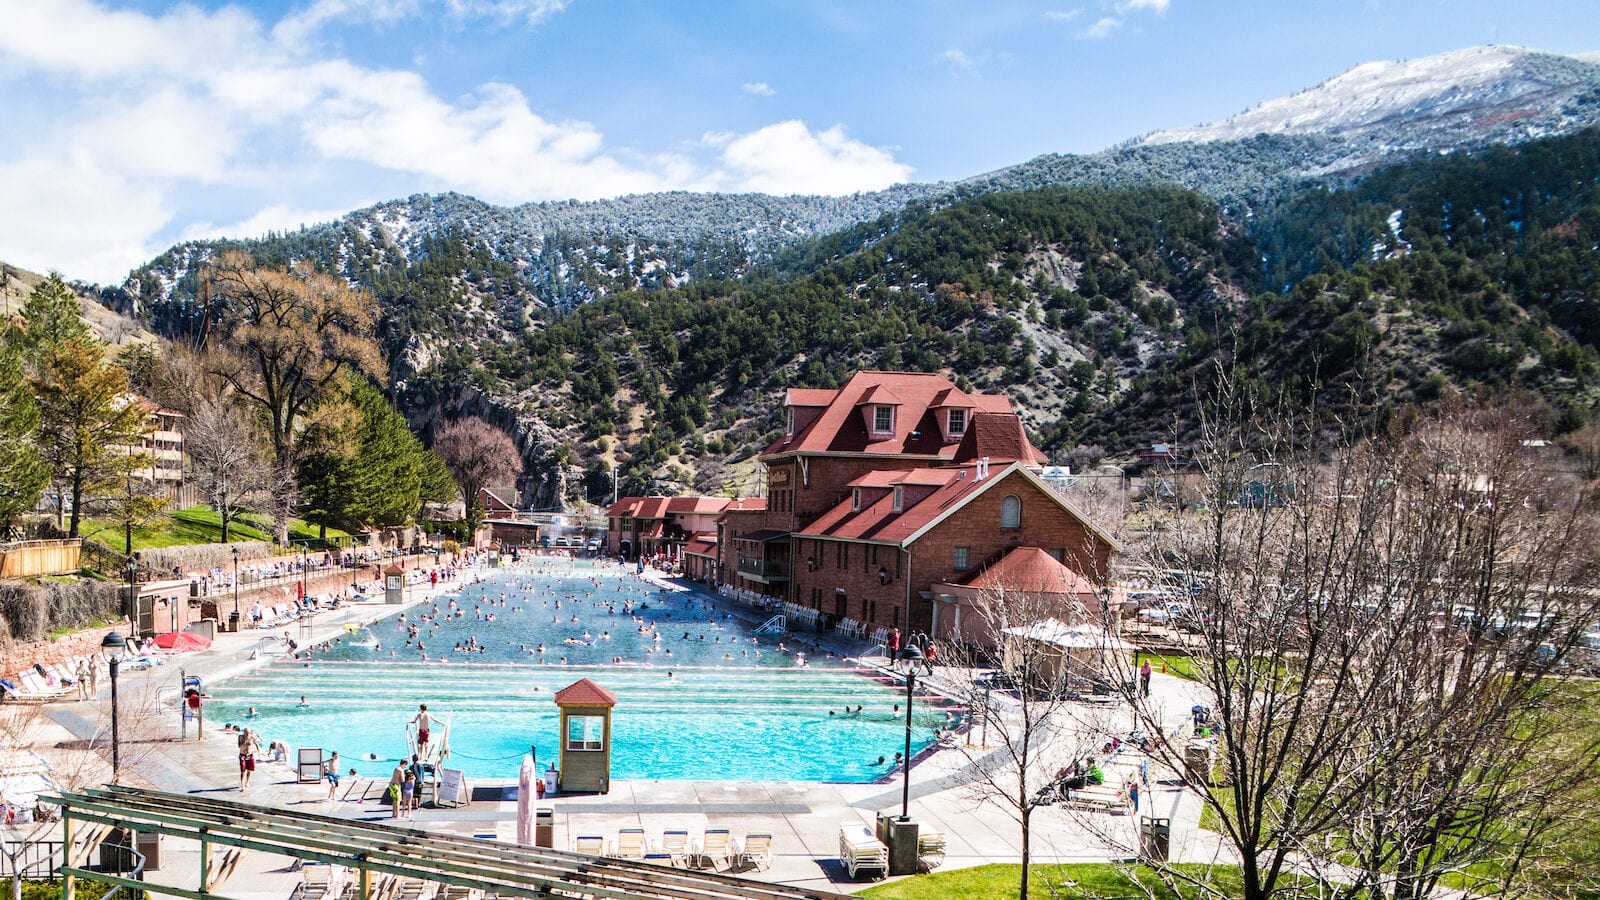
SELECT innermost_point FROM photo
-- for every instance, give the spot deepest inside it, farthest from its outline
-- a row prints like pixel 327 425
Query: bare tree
pixel 1026 655
pixel 479 455
pixel 288 337
pixel 1382 635
pixel 225 458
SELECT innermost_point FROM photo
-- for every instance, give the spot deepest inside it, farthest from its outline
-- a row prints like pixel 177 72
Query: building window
pixel 586 732
pixel 1011 512
pixel 899 498
pixel 958 422
pixel 855 498
pixel 788 420
pixel 960 563
pixel 883 419
pixel 1059 555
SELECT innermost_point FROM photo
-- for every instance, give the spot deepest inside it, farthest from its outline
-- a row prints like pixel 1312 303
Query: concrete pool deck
pixel 804 818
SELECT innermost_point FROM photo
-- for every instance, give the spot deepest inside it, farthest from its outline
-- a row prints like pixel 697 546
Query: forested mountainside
pixel 1099 311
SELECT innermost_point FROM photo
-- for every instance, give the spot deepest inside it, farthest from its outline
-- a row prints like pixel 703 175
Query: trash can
pixel 233 622
pixel 1199 762
pixel 1155 839
pixel 544 827
pixel 115 855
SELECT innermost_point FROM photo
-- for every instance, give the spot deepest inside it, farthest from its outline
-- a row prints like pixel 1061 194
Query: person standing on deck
pixel 424 723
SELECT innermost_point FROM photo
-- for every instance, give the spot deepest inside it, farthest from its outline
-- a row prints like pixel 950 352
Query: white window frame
pixel 855 499
pixel 788 420
pixel 880 413
pixel 1011 512
pixel 899 498
pixel 592 731
pixel 950 422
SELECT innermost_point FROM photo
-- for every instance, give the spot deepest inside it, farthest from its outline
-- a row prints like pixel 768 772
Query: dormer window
pixel 899 498
pixel 883 419
pixel 957 422
pixel 855 499
pixel 788 420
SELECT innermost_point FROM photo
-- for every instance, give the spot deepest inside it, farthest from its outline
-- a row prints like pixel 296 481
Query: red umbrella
pixel 181 641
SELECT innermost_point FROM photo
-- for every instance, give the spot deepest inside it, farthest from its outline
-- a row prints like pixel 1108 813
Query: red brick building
pixel 893 483
pixel 664 526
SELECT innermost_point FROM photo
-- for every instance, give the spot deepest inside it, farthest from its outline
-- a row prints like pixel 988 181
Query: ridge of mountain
pixel 568 252
pixel 1478 95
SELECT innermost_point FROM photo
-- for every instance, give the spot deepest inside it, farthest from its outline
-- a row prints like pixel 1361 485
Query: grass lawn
pixel 1177 664
pixel 200 525
pixel 999 882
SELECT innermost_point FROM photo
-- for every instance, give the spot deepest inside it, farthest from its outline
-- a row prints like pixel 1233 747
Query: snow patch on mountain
pixel 1482 91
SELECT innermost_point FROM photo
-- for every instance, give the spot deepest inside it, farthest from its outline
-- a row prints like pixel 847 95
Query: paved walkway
pixel 803 818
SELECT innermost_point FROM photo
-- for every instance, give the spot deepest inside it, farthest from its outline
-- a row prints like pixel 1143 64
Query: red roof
pixel 952 487
pixel 697 504
pixel 702 545
pixel 810 396
pixel 584 692
pixel 917 429
pixel 1000 438
pixel 659 507
pixel 1030 570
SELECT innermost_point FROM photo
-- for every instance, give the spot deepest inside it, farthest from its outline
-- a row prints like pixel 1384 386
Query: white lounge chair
pixel 629 844
pixel 675 844
pixel 930 849
pixel 714 847
pixel 592 844
pixel 756 851
pixel 860 851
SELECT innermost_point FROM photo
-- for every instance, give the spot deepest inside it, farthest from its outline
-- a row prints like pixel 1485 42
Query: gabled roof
pixel 840 427
pixel 890 477
pixel 697 504
pixel 585 692
pixel 703 544
pixel 1028 570
pixel 810 396
pixel 960 485
pixel 490 495
pixel 999 437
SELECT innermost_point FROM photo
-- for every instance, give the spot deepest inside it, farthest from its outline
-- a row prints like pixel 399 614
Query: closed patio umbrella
pixel 525 802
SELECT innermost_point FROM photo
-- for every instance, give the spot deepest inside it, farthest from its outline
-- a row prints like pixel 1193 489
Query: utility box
pixel 115 855
pixel 585 736
pixel 544 827
pixel 1199 762
pixel 1155 839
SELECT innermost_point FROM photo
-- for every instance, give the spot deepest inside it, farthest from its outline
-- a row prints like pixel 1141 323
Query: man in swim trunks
pixel 424 723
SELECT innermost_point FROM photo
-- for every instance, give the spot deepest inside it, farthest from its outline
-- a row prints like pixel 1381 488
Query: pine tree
pixel 90 426
pixel 23 475
pixel 51 317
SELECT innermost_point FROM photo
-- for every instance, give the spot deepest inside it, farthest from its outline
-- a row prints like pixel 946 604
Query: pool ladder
pixel 775 625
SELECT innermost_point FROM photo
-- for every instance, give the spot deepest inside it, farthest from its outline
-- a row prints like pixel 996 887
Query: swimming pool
pixel 734 706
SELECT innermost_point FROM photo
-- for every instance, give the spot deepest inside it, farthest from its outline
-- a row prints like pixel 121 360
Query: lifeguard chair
pixel 585 736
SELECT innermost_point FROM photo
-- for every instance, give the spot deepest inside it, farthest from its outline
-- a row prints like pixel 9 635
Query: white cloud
pixel 1159 7
pixel 957 59
pixel 789 158
pixel 758 89
pixel 1063 15
pixel 302 24
pixel 156 114
pixel 1103 28
pixel 278 217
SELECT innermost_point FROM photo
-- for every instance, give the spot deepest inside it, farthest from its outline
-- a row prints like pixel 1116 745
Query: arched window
pixel 1011 512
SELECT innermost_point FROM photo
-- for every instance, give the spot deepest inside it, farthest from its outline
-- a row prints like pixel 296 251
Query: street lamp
pixel 911 656
pixel 235 621
pixel 133 598
pixel 113 644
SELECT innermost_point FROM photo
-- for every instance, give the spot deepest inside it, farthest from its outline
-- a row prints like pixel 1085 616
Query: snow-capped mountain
pixel 1477 95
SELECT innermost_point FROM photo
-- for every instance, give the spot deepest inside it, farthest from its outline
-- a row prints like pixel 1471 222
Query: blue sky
pixel 131 124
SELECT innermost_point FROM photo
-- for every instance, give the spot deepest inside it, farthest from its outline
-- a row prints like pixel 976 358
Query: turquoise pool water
pixel 725 704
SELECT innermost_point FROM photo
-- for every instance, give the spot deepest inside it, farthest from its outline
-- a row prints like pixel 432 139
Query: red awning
pixel 181 641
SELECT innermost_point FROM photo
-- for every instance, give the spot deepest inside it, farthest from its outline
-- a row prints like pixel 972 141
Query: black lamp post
pixel 113 644
pixel 133 596
pixel 911 656
pixel 234 619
